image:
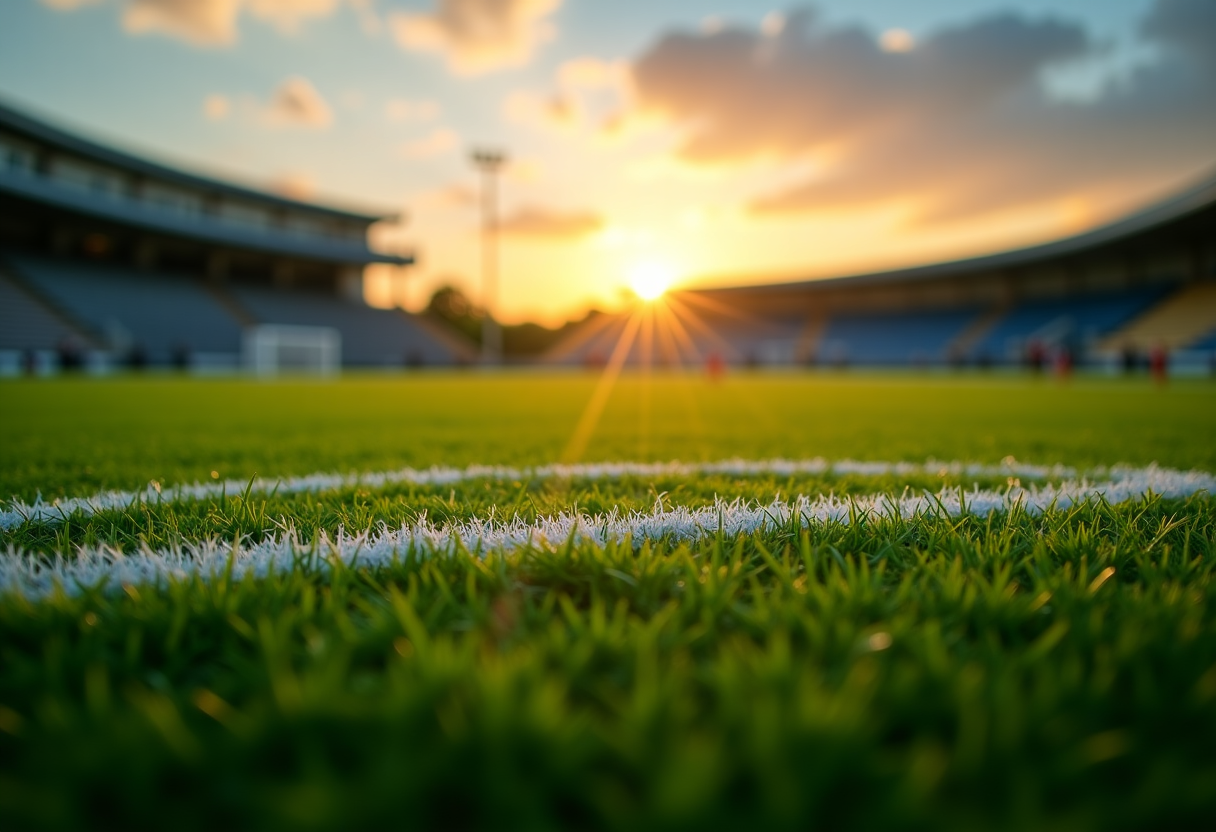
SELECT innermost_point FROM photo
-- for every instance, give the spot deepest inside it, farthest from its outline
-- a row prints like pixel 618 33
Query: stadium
pixel 928 548
pixel 108 259
pixel 111 260
pixel 1106 298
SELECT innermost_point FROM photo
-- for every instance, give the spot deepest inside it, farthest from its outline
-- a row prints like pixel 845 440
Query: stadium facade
pixel 1111 296
pixel 107 257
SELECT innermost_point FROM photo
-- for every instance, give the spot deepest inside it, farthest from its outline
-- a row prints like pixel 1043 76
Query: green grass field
pixel 1004 669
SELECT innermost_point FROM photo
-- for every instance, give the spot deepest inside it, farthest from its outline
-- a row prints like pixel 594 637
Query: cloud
pixel 216 107
pixel 201 22
pixel 296 103
pixel 539 222
pixel 557 110
pixel 589 91
pixel 210 22
pixel 295 185
pixel 478 36
pixel 1189 25
pixel 592 73
pixel 369 18
pixel 436 143
pixel 69 5
pixel 288 15
pixel 952 124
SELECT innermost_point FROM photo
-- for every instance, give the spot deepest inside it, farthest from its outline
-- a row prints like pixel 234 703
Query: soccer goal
pixel 273 348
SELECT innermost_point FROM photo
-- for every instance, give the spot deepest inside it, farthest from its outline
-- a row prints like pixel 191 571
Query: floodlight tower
pixel 489 162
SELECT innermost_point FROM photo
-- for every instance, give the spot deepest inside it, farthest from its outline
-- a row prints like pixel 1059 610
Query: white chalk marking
pixel 16 512
pixel 36 576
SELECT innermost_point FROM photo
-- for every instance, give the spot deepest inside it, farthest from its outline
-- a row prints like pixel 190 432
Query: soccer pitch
pixel 776 601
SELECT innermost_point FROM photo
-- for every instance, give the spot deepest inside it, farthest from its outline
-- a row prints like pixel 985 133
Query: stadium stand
pixel 893 339
pixel 159 315
pixel 145 263
pixel 28 324
pixel 1077 322
pixel 370 337
pixel 1145 279
pixel 1180 321
pixel 1207 342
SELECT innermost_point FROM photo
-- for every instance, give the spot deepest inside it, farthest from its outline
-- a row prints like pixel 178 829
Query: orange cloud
pixel 589 91
pixel 952 125
pixel 296 103
pixel 542 223
pixel 201 22
pixel 297 185
pixel 556 111
pixel 217 107
pixel 478 36
pixel 69 5
pixel 287 15
pixel 208 22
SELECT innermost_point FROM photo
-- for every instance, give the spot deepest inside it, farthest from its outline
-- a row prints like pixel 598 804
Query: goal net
pixel 273 348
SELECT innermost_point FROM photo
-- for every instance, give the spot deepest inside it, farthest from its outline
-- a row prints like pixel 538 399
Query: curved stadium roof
pixel 45 191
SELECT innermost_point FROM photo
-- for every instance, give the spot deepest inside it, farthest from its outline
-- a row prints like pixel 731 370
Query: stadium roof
pixel 1190 201
pixel 206 229
pixel 43 132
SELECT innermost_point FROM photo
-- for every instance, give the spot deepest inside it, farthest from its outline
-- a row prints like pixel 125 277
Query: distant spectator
pixel 70 355
pixel 1159 362
pixel 137 357
pixel 1129 358
pixel 180 356
pixel 715 366
pixel 1036 356
pixel 1063 362
pixel 29 361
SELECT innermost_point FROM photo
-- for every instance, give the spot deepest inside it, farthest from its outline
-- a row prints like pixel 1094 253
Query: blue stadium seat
pixel 1078 320
pixel 893 339
pixel 1207 342
pixel 159 314
pixel 370 337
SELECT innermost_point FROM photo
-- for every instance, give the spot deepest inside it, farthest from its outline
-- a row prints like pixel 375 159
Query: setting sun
pixel 649 280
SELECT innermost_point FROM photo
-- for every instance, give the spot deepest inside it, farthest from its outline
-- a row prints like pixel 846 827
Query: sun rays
pixel 663 331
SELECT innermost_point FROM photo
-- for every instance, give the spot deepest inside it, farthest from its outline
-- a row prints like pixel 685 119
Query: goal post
pixel 271 349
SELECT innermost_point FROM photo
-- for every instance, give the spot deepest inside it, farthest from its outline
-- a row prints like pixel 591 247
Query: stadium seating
pixel 370 337
pixel 1207 342
pixel 157 315
pixel 1078 321
pixel 893 339
pixel 1180 321
pixel 26 324
pixel 774 341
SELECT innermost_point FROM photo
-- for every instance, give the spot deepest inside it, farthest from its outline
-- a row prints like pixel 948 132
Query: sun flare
pixel 650 280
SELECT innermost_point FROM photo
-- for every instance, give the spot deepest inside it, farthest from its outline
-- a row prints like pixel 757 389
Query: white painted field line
pixel 16 512
pixel 35 576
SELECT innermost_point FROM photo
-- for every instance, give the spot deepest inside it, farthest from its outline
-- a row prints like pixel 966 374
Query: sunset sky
pixel 711 141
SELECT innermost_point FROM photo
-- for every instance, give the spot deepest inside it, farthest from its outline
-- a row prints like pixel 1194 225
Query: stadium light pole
pixel 489 162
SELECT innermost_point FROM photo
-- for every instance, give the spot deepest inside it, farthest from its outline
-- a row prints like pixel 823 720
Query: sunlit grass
pixel 1013 671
